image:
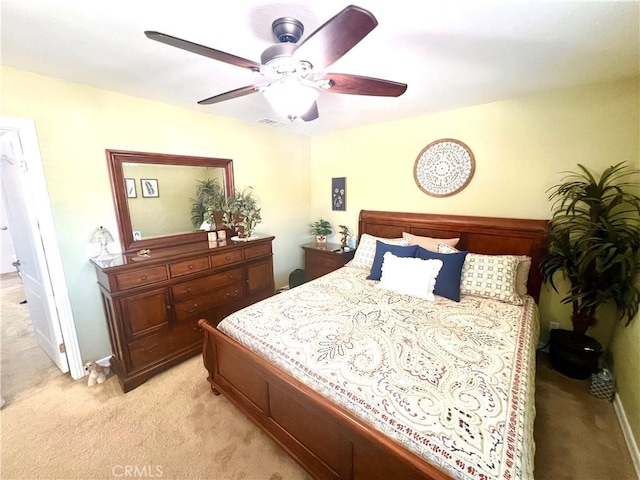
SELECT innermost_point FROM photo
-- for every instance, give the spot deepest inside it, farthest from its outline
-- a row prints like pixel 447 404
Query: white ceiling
pixel 450 53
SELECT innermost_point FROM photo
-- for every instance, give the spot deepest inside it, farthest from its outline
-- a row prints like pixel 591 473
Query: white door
pixel 7 252
pixel 29 250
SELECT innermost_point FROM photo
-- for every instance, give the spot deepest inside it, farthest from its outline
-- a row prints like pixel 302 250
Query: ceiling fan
pixel 293 74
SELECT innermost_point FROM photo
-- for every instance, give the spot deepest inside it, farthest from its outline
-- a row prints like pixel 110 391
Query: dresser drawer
pixel 226 258
pixel 201 286
pixel 195 307
pixel 257 251
pixel 159 347
pixel 141 277
pixel 322 262
pixel 179 269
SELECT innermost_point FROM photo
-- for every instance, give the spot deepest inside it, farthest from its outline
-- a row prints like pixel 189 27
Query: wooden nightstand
pixel 322 259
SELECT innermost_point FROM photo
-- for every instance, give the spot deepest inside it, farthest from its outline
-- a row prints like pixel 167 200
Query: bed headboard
pixel 487 235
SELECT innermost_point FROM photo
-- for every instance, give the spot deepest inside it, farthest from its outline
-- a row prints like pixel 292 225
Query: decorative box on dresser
pixel 320 259
pixel 153 303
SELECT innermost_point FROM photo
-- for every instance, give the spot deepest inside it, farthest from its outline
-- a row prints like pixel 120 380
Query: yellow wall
pixel 520 147
pixel 625 349
pixel 76 123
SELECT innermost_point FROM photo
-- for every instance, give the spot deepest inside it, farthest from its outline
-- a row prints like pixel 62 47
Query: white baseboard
pixel 104 362
pixel 628 434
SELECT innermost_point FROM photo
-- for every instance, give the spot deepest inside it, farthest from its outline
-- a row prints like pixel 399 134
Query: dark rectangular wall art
pixel 339 193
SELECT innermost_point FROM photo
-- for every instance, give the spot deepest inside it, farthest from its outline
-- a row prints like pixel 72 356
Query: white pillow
pixel 409 276
pixel 366 250
pixel 429 243
pixel 490 276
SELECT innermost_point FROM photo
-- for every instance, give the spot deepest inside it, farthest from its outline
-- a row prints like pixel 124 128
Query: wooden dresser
pixel 153 303
pixel 322 259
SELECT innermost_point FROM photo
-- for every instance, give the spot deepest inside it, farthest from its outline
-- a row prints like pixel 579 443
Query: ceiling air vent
pixel 273 123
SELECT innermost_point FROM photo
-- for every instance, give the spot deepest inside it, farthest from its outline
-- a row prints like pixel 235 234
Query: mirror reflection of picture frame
pixel 130 185
pixel 149 187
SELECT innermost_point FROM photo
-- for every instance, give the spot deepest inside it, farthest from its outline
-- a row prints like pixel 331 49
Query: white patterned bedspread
pixel 452 382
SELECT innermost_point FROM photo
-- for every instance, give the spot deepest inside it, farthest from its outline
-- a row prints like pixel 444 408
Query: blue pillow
pixel 381 249
pixel 448 281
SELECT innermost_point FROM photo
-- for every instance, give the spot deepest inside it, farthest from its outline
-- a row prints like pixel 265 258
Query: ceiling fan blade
pixel 202 50
pixel 336 37
pixel 358 85
pixel 311 114
pixel 237 93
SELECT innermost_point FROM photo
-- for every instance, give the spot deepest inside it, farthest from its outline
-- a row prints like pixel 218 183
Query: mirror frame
pixel 115 161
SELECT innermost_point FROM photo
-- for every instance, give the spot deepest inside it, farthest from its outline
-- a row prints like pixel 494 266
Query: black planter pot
pixel 574 355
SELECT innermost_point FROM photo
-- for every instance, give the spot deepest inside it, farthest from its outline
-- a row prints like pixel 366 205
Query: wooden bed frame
pixel 327 440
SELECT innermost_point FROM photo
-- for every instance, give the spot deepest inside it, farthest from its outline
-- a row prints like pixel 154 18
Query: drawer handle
pixel 168 307
pixel 143 277
pixel 192 309
pixel 234 294
pixel 190 267
pixel 188 289
pixel 227 257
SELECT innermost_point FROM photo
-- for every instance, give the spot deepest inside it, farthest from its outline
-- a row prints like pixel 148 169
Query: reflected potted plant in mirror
pixel 241 213
pixel 594 242
pixel 321 228
pixel 206 208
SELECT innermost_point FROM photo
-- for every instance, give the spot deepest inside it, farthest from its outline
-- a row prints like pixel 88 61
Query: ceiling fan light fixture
pixel 291 98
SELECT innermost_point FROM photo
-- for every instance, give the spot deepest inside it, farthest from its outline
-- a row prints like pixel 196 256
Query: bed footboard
pixel 325 439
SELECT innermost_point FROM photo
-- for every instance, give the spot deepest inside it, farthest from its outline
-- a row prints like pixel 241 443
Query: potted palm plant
pixel 321 228
pixel 594 241
pixel 207 206
pixel 241 212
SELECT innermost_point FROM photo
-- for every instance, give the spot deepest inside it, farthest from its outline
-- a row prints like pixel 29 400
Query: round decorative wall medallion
pixel 444 167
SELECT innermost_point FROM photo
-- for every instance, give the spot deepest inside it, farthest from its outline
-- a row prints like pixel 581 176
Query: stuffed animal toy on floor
pixel 97 373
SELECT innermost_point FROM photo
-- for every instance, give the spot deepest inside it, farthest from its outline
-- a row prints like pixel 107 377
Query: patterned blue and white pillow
pixel 489 276
pixel 366 250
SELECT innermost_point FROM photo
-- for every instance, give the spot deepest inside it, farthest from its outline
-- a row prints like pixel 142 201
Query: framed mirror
pixel 153 194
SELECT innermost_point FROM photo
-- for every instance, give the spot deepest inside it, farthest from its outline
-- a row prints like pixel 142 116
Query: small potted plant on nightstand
pixel 321 228
pixel 594 241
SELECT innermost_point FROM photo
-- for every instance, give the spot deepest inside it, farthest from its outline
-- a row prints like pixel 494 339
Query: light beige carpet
pixel 578 436
pixel 23 363
pixel 173 427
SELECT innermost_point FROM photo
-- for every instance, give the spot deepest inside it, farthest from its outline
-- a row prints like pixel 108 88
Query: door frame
pixel 26 130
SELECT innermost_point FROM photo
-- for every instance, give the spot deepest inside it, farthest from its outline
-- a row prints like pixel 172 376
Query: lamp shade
pixel 291 98
pixel 102 236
